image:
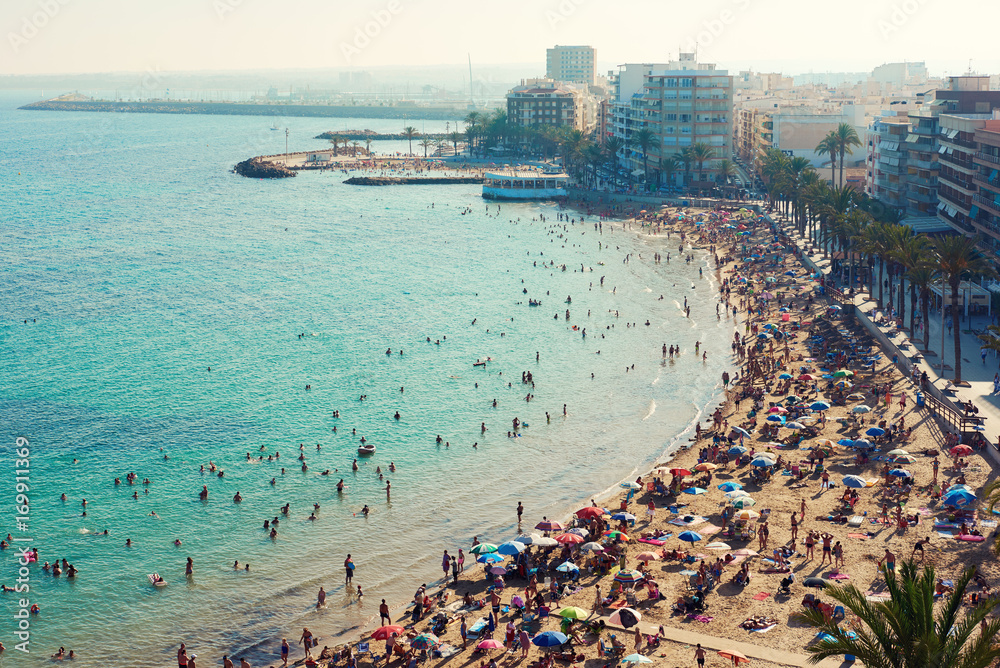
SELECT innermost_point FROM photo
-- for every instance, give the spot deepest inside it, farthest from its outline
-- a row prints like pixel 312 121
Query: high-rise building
pixel 683 103
pixel 573 64
pixel 548 102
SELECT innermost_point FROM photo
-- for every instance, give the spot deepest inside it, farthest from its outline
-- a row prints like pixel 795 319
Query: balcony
pixel 988 204
pixel 925 198
pixel 964 166
pixel 956 182
pixel 992 185
pixel 921 181
pixel 921 164
pixel 959 222
pixel 987 228
pixel 987 158
pixel 970 146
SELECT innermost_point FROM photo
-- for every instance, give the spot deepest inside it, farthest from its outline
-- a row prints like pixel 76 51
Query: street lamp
pixel 286 147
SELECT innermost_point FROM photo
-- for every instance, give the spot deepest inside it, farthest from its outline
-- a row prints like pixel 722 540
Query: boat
pixel 156 580
pixel 524 185
pixel 367 449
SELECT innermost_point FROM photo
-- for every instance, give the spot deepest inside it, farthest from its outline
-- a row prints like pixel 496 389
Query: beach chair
pixel 543 612
pixel 839 613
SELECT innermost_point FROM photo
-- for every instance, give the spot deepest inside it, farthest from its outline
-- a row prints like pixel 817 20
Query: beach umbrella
pixel 778 409
pixel 549 525
pixel 567 567
pixel 819 406
pixel 875 431
pixel 694 490
pixel 591 511
pixel 718 545
pixel 511 548
pixel 843 373
pixel 785 376
pixel 825 441
pixel 794 425
pixel 792 398
pixel 739 431
pixel 776 418
pixel 527 540
pixel 846 442
pixel 569 539
pixel 679 472
pixel 743 502
pixel 737 450
pixel 490 643
pixel 844 385
pixel 735 494
pixel 834 308
pixel 747 515
pixel 490 558
pixel 647 556
pixel 483 548
pixel 863 443
pixel 900 473
pixel 958 498
pixel 573 612
pixel 856 396
pixel 545 541
pixel 626 617
pixel 386 632
pixel 636 658
pixel 862 408
pixel 621 517
pixel 631 484
pixel 425 641
pixel 762 335
pixel 897 452
pixel 549 639
pixel 592 547
pixel 730 486
pixel 733 655
pixel 706 466
pixel 689 536
pixel 629 577
pixel 614 534
pixel 498 570
pixel 762 462
pixel 904 459
pixel 958 487
pixel 806 376
pixel 855 482
pixel 961 451
pixel 579 532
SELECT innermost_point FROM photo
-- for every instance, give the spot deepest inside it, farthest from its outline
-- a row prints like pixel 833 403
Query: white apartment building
pixel 572 64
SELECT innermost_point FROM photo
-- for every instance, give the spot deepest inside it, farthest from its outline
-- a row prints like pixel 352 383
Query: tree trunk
pixel 902 296
pixel 925 297
pixel 956 329
pixel 913 308
pixel 881 267
pixel 842 167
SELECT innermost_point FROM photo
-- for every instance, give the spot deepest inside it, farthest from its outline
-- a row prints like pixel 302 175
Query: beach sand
pixel 728 604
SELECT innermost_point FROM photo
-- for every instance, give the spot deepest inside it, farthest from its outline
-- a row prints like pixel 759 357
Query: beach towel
pixel 705 619
pixel 859 536
pixel 652 541
pixel 761 596
pixel 838 576
pixel 763 630
pixel 988 523
pixel 776 570
pixel 709 530
pixel 946 534
pixel 477 628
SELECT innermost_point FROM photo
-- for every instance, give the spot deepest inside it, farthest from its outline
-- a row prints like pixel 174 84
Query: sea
pixel 161 315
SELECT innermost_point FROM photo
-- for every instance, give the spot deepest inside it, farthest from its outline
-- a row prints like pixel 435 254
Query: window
pixel 671 117
pixel 671 83
pixel 686 83
pixel 685 118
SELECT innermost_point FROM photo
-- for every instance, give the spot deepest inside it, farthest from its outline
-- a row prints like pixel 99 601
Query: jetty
pixel 371 135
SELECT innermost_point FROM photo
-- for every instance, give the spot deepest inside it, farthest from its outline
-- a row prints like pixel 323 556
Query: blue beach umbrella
pixel 762 462
pixel 819 406
pixel 694 490
pixel 794 425
pixel 489 558
pixel 785 376
pixel 549 639
pixel 567 567
pixel 863 443
pixel 875 431
pixel 689 536
pixel 511 548
pixel 958 498
pixel 846 442
pixel 737 450
pixel 623 517
pixel 900 473
pixel 730 486
pixel 774 417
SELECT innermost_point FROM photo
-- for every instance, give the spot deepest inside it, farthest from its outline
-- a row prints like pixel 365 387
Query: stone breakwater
pixel 362 135
pixel 409 181
pixel 258 168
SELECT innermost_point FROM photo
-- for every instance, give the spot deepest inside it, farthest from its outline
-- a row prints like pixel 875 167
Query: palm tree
pixel 905 631
pixel 425 144
pixel 368 145
pixel 959 259
pixel 644 138
pixel 669 167
pixel 991 493
pixel 335 140
pixel 922 277
pixel 611 147
pixel 874 243
pixel 410 132
pixel 828 146
pixel 453 137
pixel 908 249
pixel 846 138
pixel 727 170
pixel 701 153
pixel 355 146
pixel 686 157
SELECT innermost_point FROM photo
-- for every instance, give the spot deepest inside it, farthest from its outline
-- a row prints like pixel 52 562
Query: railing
pixel 988 203
pixel 994 184
pixel 952 180
pixel 988 158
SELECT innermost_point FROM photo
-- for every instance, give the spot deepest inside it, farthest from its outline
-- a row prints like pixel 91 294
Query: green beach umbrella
pixel 572 612
pixel 483 548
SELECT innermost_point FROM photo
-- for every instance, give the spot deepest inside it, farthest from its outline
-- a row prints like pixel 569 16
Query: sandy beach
pixel 793 344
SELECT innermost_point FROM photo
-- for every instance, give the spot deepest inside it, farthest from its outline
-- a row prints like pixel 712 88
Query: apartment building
pixel 549 102
pixel 572 64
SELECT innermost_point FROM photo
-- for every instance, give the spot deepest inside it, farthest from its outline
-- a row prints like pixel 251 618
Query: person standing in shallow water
pixel 348 569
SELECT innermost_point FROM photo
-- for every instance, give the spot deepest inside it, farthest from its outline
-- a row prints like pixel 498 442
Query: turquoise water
pixel 145 262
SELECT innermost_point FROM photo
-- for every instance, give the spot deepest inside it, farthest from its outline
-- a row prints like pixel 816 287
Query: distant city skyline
pixel 73 36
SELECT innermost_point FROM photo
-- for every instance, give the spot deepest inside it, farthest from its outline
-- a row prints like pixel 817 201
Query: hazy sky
pixel 70 36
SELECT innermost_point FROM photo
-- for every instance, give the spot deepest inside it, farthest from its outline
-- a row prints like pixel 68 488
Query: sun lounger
pixel 855 521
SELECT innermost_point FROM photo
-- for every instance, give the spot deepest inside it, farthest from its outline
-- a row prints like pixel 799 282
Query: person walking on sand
pixel 306 640
pixel 464 632
pixel 810 545
pixel 795 527
pixel 803 510
pixel 638 640
pixel 889 559
pixel 699 656
pixel 598 599
pixel 383 614
pixel 284 652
